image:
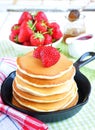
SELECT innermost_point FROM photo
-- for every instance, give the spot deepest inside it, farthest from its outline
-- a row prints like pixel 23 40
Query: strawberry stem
pixel 33 26
pixel 39 35
pixel 45 32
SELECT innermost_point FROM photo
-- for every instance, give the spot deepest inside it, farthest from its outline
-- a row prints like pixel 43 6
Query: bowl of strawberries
pixel 33 30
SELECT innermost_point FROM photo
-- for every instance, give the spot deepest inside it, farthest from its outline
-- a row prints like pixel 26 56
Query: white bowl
pixel 26 49
pixel 77 46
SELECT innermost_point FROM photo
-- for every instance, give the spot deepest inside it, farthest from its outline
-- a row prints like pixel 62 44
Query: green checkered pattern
pixel 85 118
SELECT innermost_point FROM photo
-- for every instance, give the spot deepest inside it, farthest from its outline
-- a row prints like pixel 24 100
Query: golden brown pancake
pixel 44 99
pixel 73 103
pixel 33 67
pixel 46 82
pixel 45 107
pixel 42 91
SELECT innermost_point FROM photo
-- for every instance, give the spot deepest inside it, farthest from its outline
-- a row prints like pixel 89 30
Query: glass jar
pixel 74 28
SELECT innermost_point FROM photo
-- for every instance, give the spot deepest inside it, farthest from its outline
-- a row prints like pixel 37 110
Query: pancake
pixel 44 99
pixel 46 107
pixel 37 82
pixel 42 91
pixel 17 104
pixel 33 67
pixel 72 102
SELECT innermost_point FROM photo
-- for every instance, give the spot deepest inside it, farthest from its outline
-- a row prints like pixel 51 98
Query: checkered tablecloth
pixel 83 120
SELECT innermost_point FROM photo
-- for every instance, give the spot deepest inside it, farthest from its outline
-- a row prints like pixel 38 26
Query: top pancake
pixel 33 67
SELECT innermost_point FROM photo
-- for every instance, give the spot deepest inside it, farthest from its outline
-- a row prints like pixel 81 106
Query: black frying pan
pixel 84 88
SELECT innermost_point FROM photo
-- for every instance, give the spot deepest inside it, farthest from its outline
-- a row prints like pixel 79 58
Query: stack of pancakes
pixel 44 89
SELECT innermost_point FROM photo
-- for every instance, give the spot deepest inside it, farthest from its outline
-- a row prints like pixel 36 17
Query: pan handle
pixel 84 59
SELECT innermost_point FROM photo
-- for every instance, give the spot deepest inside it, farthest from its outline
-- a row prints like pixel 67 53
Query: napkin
pixel 7 65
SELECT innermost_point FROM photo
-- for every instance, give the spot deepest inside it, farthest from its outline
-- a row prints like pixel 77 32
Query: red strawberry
pixel 41 26
pixel 13 37
pixel 37 39
pixel 25 16
pixel 49 56
pixel 54 25
pixel 27 43
pixel 57 34
pixel 36 52
pixel 40 16
pixel 25 31
pixel 54 31
pixel 28 24
pixel 15 28
pixel 24 34
pixel 48 39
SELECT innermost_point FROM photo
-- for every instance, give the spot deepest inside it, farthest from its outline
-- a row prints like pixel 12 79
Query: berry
pixel 57 34
pixel 40 16
pixel 15 29
pixel 13 37
pixel 37 39
pixel 25 32
pixel 25 16
pixel 47 54
pixel 54 31
pixel 36 52
pixel 27 43
pixel 48 39
pixel 41 26
pixel 54 25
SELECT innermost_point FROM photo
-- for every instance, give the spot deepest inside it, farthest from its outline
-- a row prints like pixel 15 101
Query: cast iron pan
pixel 84 88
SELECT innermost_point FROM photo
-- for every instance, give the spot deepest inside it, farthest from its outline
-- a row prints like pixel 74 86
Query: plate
pixel 6 94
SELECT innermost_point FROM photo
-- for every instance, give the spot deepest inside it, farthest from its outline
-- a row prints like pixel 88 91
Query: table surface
pixel 84 119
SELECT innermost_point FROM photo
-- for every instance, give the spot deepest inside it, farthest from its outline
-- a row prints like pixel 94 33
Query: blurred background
pixel 59 5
